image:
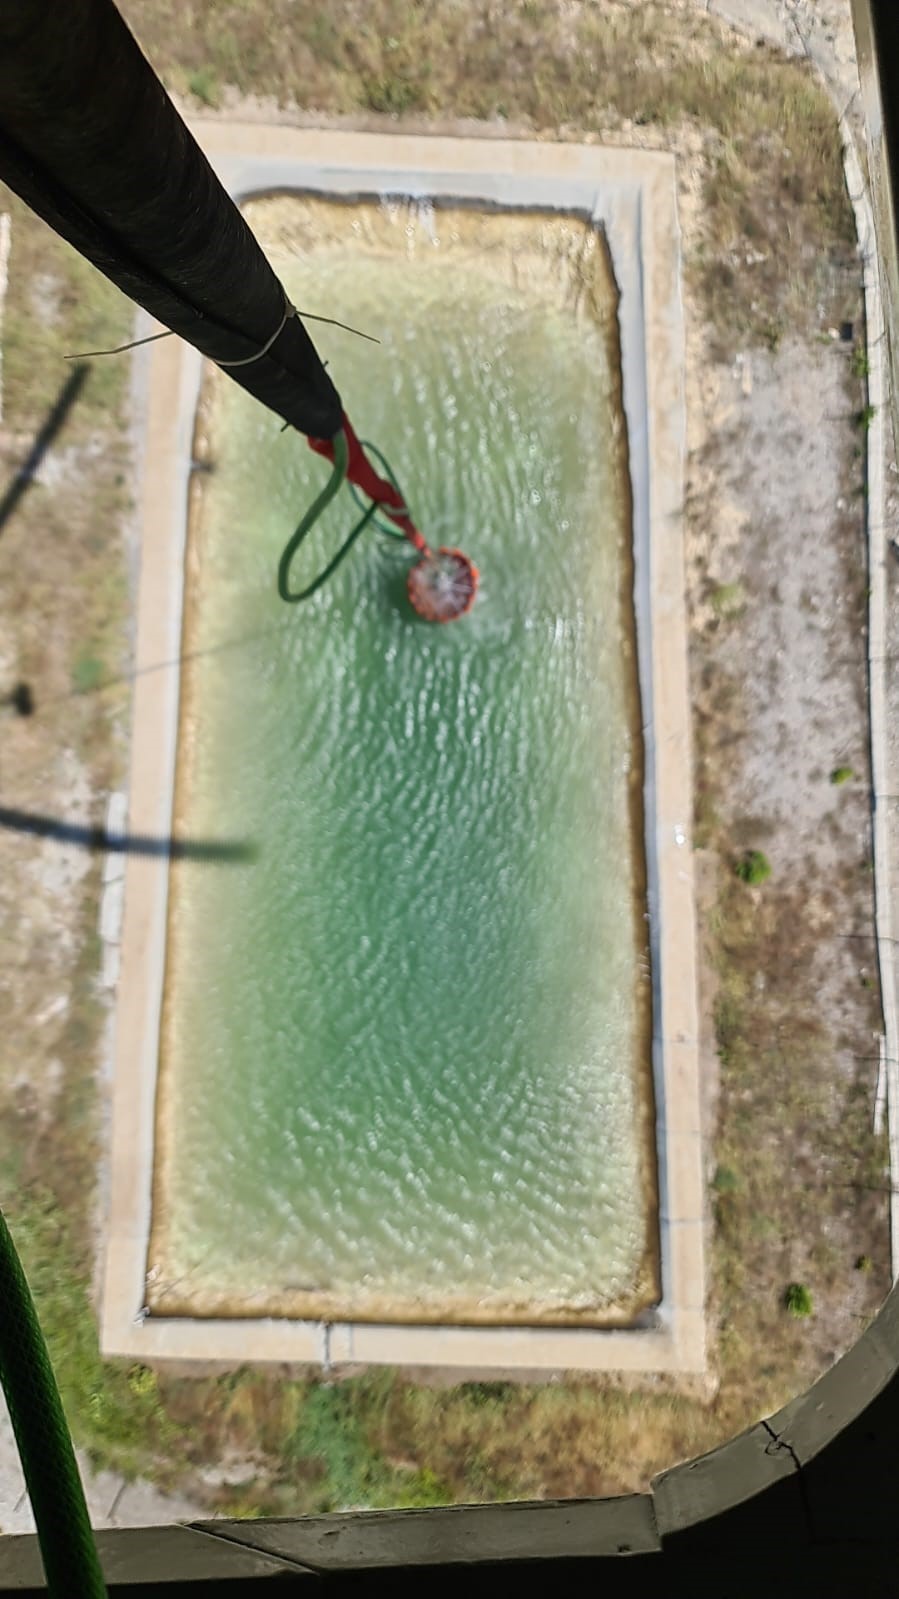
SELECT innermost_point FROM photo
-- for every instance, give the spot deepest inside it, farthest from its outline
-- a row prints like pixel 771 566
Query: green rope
pixel 71 1563
pixel 332 487
pixel 387 469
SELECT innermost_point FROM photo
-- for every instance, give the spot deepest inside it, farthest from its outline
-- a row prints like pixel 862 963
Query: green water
pixel 405 1058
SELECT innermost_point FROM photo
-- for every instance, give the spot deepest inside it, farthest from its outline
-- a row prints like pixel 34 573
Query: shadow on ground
pixel 43 439
pixel 225 851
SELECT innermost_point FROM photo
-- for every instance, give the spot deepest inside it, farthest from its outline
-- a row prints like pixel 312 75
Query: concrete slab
pixel 110 966
pixel 150 1555
pixel 632 196
pixel 720 1481
pixel 809 1423
pixel 111 909
pixel 759 19
pixel 457 1534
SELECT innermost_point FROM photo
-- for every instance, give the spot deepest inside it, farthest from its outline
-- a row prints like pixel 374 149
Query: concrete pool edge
pixel 632 195
pixel 564 262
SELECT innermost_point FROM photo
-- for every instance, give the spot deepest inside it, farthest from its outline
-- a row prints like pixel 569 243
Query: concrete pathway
pixel 112 1500
pixel 819 29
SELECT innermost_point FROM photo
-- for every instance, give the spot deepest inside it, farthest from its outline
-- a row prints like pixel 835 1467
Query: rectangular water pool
pixel 405 1054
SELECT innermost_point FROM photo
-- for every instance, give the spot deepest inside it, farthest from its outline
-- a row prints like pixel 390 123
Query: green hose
pixel 332 487
pixel 71 1563
pixel 387 469
pixel 68 1550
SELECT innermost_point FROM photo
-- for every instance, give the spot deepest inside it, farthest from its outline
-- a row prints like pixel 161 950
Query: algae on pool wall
pixel 405 1058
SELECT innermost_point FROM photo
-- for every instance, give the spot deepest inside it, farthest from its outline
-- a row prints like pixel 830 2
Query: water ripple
pixel 403 1038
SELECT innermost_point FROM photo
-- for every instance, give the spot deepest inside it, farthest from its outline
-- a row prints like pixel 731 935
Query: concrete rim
pixel 631 195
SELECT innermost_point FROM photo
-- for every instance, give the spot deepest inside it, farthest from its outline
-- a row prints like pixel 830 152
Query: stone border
pixel 879 661
pixel 632 195
pixel 113 891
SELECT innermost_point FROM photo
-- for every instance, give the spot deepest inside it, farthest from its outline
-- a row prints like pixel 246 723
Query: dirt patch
pixel 778 587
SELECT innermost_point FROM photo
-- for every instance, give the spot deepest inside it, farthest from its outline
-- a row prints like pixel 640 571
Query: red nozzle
pixel 441 585
pixel 361 473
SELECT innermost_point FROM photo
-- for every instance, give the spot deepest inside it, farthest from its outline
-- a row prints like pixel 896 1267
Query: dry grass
pixel 801 1193
pixel 63 594
pixel 774 196
pixel 788 1217
pixel 61 554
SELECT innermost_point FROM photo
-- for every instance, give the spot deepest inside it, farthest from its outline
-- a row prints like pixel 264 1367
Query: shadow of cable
pixel 55 418
pixel 224 851
pixel 20 699
pixel 392 596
